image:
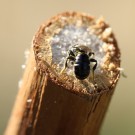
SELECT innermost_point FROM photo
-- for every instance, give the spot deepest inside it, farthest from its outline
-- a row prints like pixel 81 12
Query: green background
pixel 20 19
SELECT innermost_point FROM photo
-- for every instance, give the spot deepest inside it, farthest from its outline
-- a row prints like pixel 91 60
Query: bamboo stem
pixel 46 105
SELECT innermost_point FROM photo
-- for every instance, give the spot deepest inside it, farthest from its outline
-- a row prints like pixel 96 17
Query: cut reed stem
pixel 54 104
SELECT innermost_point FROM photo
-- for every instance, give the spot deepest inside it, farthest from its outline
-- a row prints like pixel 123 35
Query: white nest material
pixel 71 35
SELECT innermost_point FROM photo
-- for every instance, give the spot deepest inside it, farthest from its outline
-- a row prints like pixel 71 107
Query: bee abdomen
pixel 82 70
pixel 81 67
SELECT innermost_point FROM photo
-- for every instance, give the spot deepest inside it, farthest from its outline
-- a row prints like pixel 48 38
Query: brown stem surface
pixel 42 107
pixel 45 107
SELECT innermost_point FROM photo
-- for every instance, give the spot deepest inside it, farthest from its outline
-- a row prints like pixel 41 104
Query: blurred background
pixel 20 19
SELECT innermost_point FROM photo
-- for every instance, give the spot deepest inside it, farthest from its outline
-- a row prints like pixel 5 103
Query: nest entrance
pixel 58 35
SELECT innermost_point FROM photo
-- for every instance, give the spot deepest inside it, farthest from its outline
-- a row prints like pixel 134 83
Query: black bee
pixel 81 58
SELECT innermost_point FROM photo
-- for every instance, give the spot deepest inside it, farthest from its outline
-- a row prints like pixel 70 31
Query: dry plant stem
pixel 45 106
pixel 54 110
pixel 21 100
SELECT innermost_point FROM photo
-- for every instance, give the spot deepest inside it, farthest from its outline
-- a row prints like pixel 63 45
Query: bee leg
pixel 65 66
pixel 91 55
pixel 93 68
pixel 91 76
pixel 69 58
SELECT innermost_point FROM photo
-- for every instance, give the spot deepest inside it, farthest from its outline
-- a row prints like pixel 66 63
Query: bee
pixel 81 57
